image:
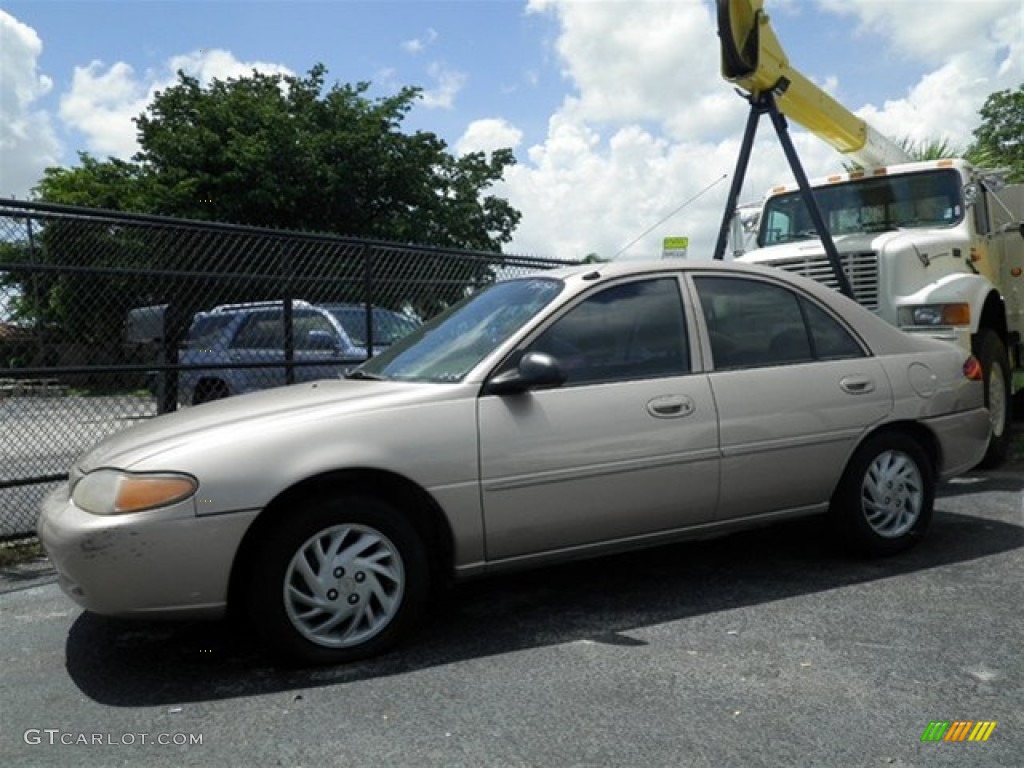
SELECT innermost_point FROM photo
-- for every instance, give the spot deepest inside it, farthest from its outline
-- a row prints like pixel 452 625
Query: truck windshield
pixel 875 204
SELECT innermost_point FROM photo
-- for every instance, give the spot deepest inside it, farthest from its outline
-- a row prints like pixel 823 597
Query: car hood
pixel 254 414
pixel 923 239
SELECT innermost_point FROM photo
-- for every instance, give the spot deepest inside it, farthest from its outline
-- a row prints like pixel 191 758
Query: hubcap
pixel 344 586
pixel 997 400
pixel 892 495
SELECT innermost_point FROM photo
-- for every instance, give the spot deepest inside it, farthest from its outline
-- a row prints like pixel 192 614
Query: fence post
pixel 38 311
pixel 174 330
pixel 289 341
pixel 368 293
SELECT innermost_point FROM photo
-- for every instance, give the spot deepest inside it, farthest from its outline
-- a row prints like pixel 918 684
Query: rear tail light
pixel 972 369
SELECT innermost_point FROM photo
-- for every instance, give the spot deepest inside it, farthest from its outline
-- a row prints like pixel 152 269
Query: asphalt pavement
pixel 765 648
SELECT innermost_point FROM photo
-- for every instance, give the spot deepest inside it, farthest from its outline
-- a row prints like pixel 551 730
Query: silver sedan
pixel 568 414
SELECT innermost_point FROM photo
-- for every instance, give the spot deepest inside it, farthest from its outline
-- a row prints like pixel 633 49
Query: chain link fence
pixel 108 318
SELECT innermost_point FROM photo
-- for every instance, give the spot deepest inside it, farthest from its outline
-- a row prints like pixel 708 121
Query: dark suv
pixel 255 333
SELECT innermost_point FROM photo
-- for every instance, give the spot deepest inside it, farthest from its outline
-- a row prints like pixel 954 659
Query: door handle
pixel 670 406
pixel 857 385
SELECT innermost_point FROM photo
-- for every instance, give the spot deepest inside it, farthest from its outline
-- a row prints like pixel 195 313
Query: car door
pixel 626 447
pixel 795 392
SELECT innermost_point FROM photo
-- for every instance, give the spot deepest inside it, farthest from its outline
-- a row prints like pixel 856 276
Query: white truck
pixel 934 247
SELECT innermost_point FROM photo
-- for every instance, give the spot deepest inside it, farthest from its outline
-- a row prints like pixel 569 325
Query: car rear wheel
pixel 883 504
pixel 995 367
pixel 342 581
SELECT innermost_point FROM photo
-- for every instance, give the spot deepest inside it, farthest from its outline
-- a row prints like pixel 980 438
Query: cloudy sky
pixel 615 108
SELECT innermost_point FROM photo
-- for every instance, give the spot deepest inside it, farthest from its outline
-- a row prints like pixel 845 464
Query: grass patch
pixel 18 552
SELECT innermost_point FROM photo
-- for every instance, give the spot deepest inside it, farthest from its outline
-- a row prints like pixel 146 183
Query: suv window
pixel 753 323
pixel 635 330
pixel 306 321
pixel 206 330
pixel 261 330
pixel 388 326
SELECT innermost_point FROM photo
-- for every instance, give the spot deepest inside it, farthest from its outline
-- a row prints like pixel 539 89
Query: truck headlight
pixel 936 314
pixel 115 492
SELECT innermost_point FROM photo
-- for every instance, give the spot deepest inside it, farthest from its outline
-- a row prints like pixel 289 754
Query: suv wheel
pixel 208 390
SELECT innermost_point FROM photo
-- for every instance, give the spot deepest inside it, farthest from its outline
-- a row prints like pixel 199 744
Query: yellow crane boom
pixel 754 60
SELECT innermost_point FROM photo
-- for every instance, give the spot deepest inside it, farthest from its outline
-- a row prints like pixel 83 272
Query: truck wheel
pixel 995 366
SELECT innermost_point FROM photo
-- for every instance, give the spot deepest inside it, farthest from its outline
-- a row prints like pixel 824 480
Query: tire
pixel 360 601
pixel 995 367
pixel 209 390
pixel 883 503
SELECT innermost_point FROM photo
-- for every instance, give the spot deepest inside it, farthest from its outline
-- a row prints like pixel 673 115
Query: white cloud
pixel 419 44
pixel 650 123
pixel 449 83
pixel 932 31
pixel 488 135
pixel 28 143
pixel 103 100
pixel 973 54
pixel 643 62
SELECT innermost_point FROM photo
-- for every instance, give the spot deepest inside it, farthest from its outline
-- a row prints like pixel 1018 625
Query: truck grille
pixel 861 270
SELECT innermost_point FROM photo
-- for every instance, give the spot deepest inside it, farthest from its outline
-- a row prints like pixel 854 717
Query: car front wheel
pixel 342 581
pixel 883 504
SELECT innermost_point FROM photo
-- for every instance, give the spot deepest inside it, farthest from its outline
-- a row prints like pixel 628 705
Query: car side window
pixel 261 330
pixel 752 324
pixel 635 330
pixel 831 340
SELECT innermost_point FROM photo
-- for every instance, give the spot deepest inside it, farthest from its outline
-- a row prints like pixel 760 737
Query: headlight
pixel 936 314
pixel 115 492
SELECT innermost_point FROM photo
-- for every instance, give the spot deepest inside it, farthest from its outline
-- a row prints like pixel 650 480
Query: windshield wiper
pixel 880 226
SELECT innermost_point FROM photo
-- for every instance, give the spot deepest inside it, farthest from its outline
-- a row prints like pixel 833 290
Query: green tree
pixel 930 149
pixel 273 151
pixel 285 151
pixel 999 140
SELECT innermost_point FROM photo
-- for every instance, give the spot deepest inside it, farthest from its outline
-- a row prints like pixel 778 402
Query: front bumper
pixel 164 562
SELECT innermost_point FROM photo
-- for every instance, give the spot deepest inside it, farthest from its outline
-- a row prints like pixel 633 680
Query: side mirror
pixel 971 193
pixel 535 370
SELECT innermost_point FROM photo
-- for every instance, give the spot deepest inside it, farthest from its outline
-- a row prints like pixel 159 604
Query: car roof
pixel 882 337
pixel 610 269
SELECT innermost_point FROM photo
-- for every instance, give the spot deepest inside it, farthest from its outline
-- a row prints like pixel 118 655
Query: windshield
pixel 876 204
pixel 450 345
pixel 388 327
